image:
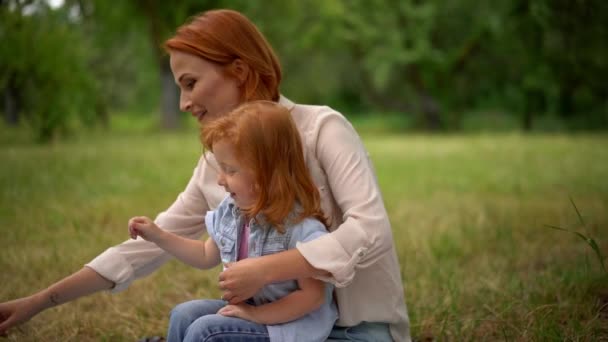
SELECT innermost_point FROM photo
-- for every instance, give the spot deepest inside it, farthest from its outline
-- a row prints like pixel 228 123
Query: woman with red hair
pixel 220 60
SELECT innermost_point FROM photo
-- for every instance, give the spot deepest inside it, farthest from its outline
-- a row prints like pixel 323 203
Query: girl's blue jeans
pixel 198 320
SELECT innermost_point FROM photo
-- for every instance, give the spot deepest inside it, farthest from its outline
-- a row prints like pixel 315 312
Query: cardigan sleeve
pixel 365 234
pixel 134 259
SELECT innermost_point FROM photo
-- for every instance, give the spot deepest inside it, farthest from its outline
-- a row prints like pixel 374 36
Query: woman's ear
pixel 240 70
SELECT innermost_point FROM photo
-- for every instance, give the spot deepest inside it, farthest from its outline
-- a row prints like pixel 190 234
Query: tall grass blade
pixel 580 217
pixel 590 241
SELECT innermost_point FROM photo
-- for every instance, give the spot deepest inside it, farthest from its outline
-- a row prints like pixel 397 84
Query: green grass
pixel 468 215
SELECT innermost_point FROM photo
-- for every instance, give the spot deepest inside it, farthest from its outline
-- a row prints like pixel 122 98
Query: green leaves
pixel 46 64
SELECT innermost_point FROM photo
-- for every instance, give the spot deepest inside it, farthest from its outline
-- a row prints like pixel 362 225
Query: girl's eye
pixel 228 171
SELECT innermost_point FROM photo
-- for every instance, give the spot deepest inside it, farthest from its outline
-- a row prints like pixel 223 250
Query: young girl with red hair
pixel 220 60
pixel 272 205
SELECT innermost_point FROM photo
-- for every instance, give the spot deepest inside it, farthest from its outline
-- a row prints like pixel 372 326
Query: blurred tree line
pixel 75 63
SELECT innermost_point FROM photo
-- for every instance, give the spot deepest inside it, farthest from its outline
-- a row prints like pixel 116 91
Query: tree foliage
pixel 431 60
pixel 44 68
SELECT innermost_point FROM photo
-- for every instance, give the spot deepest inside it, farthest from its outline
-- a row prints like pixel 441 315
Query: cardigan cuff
pixel 112 265
pixel 326 253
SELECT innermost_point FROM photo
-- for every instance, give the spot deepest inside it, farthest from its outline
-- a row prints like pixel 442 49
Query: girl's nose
pixel 221 181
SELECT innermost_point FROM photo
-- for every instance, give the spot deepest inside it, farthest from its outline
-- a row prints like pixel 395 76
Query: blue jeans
pixel 363 332
pixel 198 320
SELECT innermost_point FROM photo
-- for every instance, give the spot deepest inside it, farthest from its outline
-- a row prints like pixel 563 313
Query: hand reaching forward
pixel 16 312
pixel 144 227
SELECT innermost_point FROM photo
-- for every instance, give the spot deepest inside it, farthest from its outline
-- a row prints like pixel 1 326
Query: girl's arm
pixel 308 298
pixel 196 253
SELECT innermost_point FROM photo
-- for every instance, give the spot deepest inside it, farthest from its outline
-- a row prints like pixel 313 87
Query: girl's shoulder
pixel 306 230
pixel 221 218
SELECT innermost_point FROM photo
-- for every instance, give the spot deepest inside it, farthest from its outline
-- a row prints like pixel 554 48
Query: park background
pixel 486 123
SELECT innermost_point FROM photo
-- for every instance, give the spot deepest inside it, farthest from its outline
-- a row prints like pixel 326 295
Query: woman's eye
pixel 188 84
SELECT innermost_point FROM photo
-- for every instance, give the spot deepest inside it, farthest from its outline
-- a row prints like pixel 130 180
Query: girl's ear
pixel 240 70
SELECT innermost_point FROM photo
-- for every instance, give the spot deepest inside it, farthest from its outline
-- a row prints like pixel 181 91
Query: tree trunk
pixel 535 103
pixel 428 106
pixel 566 96
pixel 430 112
pixel 101 111
pixel 169 97
pixel 169 100
pixel 11 104
pixel 527 120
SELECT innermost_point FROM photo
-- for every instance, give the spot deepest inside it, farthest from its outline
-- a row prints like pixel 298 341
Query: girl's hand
pixel 144 227
pixel 242 310
pixel 241 280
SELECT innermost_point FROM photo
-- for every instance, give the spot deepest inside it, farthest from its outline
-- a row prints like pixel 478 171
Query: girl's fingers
pixel 133 233
pixel 137 224
pixel 226 311
pixel 138 219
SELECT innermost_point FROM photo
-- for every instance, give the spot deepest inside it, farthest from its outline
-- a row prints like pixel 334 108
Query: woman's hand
pixel 241 280
pixel 144 227
pixel 17 311
pixel 242 310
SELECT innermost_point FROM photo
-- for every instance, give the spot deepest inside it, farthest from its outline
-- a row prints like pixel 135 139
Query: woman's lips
pixel 199 115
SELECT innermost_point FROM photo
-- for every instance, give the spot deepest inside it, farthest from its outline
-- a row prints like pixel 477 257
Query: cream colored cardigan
pixel 359 252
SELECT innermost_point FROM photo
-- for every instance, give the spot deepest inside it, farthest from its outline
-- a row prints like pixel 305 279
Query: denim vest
pixel 224 226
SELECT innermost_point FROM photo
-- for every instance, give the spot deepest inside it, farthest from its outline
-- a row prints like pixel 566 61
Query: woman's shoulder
pixel 310 117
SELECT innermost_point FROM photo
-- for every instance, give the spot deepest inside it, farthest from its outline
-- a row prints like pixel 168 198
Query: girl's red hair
pixel 222 36
pixel 266 140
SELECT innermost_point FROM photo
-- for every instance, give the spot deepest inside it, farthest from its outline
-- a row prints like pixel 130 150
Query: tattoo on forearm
pixel 54 298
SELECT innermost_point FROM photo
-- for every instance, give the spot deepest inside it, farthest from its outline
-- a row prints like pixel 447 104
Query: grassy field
pixel 468 215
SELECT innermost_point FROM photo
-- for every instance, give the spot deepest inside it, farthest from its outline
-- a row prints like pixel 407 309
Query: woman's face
pixel 205 91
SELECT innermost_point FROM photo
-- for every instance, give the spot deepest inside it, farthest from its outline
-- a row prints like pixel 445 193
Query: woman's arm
pixel 308 298
pixel 82 283
pixel 241 280
pixel 118 266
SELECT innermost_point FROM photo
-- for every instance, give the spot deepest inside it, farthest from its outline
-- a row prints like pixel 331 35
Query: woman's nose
pixel 185 105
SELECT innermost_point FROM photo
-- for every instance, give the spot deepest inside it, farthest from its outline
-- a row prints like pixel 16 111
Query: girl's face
pixel 238 180
pixel 205 91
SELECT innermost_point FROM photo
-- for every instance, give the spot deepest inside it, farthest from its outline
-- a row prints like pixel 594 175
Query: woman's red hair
pixel 222 36
pixel 266 140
